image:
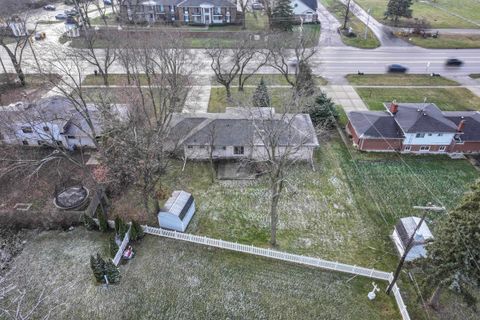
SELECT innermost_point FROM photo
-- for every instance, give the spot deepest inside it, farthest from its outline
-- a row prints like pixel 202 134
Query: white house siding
pixel 15 135
pixel 301 9
pixel 257 153
pixel 444 140
pixel 169 221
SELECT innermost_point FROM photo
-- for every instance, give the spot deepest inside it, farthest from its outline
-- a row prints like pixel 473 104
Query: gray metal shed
pixel 177 211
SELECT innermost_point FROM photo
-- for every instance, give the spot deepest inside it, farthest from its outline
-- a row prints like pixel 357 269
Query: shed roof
pixel 406 226
pixel 178 204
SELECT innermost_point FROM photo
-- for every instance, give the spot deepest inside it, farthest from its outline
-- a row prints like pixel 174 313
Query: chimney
pixel 394 107
pixel 461 126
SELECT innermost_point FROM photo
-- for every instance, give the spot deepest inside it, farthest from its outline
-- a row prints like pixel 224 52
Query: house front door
pixel 207 16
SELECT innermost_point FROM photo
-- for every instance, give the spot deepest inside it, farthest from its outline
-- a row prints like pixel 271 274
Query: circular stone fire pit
pixel 72 198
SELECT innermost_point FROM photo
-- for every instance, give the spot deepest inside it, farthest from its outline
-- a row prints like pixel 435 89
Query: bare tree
pixel 139 147
pixel 243 6
pixel 225 66
pixel 280 57
pixel 103 59
pixel 13 24
pixel 281 141
pixel 82 7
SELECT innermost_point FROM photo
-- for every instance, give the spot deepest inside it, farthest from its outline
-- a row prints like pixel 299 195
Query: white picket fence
pixel 121 248
pixel 315 262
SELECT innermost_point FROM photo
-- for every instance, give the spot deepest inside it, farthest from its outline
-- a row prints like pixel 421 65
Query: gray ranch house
pixel 241 133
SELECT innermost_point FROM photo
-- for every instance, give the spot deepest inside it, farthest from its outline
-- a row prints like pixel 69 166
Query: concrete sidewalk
pixel 197 99
pixel 346 96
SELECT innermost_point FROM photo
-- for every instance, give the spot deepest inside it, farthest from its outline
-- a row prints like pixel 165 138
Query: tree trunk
pixel 434 301
pixel 229 92
pixel 274 215
pixel 16 65
pixel 240 82
pixel 212 168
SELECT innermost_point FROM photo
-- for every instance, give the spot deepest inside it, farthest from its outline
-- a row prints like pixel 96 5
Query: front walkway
pixel 329 36
pixel 346 96
pixel 197 99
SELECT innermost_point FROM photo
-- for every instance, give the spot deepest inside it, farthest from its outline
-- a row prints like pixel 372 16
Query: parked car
pixel 50 7
pixel 40 36
pixel 398 68
pixel 107 2
pixel 257 6
pixel 71 13
pixel 453 62
pixel 61 16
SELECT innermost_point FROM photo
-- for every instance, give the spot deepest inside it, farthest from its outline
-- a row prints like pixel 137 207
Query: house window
pixel 420 135
pixel 189 147
pixel 218 10
pixel 161 8
pixel 224 148
pixel 408 148
pixel 442 148
pixel 59 143
pixel 429 134
pixel 46 129
pixel 238 150
pixel 424 148
pixel 25 142
pixel 185 16
pixel 71 137
pixel 202 147
pixel 27 129
pixel 440 134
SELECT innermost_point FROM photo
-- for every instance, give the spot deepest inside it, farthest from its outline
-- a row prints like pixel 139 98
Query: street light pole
pixel 409 245
pixel 368 21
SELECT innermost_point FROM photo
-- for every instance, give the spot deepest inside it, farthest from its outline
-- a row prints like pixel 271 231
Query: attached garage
pixel 177 211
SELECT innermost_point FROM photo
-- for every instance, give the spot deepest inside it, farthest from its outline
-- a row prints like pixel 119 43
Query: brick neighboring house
pixel 415 128
pixel 185 11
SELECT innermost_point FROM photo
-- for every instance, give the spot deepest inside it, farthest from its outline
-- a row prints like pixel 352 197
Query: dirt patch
pixel 12 91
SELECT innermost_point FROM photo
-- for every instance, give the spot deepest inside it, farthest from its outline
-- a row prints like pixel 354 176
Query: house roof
pixel 198 3
pixel 406 226
pixel 471 130
pixel 422 117
pixel 178 204
pixel 240 128
pixel 374 124
pixel 312 4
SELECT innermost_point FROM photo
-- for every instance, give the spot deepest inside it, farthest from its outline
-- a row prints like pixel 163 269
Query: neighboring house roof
pixel 312 4
pixel 215 3
pixel 237 128
pixel 471 130
pixel 422 117
pixel 159 2
pixel 178 204
pixel 374 124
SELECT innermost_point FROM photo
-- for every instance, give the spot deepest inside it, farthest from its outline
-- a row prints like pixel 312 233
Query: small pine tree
pixel 113 246
pixel 120 227
pixel 305 83
pixel 88 222
pixel 323 111
pixel 282 16
pixel 112 272
pixel 397 9
pixel 102 221
pixel 136 232
pixel 97 264
pixel 260 98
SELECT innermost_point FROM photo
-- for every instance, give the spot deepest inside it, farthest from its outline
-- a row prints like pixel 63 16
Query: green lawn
pixel 469 9
pixel 171 279
pixel 447 99
pixel 399 80
pixel 475 75
pixel 218 97
pixel 357 26
pixel 450 41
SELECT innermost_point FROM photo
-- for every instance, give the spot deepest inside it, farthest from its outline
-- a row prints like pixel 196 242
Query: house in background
pixel 185 11
pixel 239 133
pixel 177 211
pixel 415 128
pixel 402 233
pixel 306 10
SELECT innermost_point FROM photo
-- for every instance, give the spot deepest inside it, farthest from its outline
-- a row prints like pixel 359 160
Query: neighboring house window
pixel 238 150
pixel 440 134
pixel 429 134
pixel 46 129
pixel 71 137
pixel 424 148
pixel 408 148
pixel 420 135
pixel 202 147
pixel 25 142
pixel 442 148
pixel 185 16
pixel 162 9
pixel 218 10
pixel 59 143
pixel 189 147
pixel 27 129
pixel 224 148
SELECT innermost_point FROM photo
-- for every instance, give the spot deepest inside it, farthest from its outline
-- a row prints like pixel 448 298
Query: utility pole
pixel 426 209
pixel 347 13
pixel 368 21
